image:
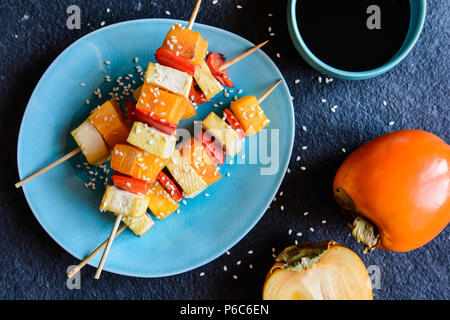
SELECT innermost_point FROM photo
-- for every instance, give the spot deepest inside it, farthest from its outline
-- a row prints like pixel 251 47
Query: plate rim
pixel 232 243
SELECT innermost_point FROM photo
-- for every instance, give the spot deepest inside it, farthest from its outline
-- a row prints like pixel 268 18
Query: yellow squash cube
pixel 206 81
pixel 139 225
pixel 160 202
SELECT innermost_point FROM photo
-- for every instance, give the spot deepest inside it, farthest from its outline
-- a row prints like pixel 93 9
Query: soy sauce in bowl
pixel 353 35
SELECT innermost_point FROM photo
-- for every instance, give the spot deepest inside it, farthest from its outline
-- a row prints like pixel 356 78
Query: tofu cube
pixel 139 225
pixel 170 79
pixel 151 140
pixel 223 133
pixel 206 81
pixel 186 177
pixel 123 202
pixel 91 143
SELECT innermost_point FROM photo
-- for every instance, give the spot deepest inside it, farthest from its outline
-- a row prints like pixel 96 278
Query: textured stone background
pixel 417 94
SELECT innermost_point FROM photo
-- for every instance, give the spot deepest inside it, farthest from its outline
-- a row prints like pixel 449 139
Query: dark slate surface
pixel 417 94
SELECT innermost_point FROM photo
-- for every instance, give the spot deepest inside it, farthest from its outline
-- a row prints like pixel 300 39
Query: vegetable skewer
pixel 98 249
pixel 108 246
pixel 77 150
pixel 194 14
pixel 93 254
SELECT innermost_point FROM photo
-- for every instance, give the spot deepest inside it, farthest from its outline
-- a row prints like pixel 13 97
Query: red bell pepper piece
pixel 131 109
pixel 234 123
pixel 170 186
pixel 169 59
pixel 155 122
pixel 215 60
pixel 215 152
pixel 130 184
pixel 196 95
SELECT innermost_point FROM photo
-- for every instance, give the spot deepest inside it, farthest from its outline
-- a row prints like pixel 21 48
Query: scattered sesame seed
pixel 298 158
pixel 278 55
pixel 282 208
pixel 299 234
pixel 250 252
pixel 384 103
pixel 108 10
pixel 225 268
pixel 323 100
pixel 304 147
pixel 228 174
pixel 168 12
pixel 304 128
pixel 319 79
pixel 303 168
pixel 311 229
pixel 228 252
pixel 305 213
pixel 391 123
pixel 239 6
pixel 343 150
pixel 297 80
pixel 250 266
pixel 206 194
pixel 235 276
pixel 238 262
pixel 202 274
pixel 102 23
pixel 324 221
pixel 215 2
pixel 289 231
pixel 82 84
pixel 107 62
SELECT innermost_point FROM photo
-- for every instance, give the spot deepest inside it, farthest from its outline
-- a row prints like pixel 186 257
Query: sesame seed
pixel 297 81
pixel 228 252
pixel 289 231
pixel 303 168
pixel 282 208
pixel 323 100
pixel 238 262
pixel 206 194
pixel 305 213
pixel 391 123
pixel 102 23
pixel 250 252
pixel 299 234
pixel 304 128
pixel 384 103
pixel 343 150
pixel 235 276
pixel 311 229
pixel 82 84
pixel 298 158
pixel 239 6
pixel 215 2
pixel 168 12
pixel 202 274
pixel 278 55
pixel 324 221
pixel 225 268
pixel 304 147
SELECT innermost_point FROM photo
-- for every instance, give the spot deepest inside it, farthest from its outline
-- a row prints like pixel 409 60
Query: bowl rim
pixel 413 34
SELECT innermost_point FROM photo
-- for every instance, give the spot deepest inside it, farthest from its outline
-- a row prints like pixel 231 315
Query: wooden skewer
pixel 108 246
pixel 242 56
pixel 269 91
pixel 86 260
pixel 47 168
pixel 194 14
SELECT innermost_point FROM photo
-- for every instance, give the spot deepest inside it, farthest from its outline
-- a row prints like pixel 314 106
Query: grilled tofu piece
pixel 139 225
pixel 170 79
pixel 186 177
pixel 91 143
pixel 151 140
pixel 109 120
pixel 160 202
pixel 206 81
pixel 123 202
pixel 223 133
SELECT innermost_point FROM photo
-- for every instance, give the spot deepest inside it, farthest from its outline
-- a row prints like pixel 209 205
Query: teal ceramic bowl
pixel 418 11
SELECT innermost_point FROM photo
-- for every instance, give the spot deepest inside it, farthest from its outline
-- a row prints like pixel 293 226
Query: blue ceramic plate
pixel 206 226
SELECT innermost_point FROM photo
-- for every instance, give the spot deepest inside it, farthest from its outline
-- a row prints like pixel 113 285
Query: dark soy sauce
pixel 342 33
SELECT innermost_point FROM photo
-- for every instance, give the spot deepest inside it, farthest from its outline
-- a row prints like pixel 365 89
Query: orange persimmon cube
pixel 165 105
pixel 187 43
pixel 109 120
pixel 188 113
pixel 136 163
pixel 160 202
pixel 249 114
pixel 195 154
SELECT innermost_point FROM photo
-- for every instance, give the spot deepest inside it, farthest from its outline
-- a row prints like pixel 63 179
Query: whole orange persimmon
pixel 396 190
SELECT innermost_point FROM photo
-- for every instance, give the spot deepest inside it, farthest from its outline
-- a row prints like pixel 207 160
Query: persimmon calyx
pixel 302 256
pixel 366 232
pixel 362 229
